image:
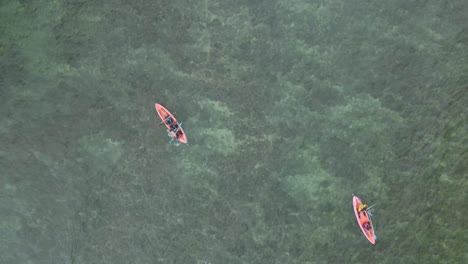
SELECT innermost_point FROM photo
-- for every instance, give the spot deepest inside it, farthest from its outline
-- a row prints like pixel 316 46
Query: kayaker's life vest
pixel 361 207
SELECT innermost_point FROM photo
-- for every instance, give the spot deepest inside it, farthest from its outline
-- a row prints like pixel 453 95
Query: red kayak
pixel 364 221
pixel 164 114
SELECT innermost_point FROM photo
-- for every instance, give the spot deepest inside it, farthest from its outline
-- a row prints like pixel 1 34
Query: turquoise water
pixel 290 108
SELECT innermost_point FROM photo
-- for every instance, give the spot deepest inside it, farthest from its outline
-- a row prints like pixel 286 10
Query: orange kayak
pixel 163 114
pixel 363 218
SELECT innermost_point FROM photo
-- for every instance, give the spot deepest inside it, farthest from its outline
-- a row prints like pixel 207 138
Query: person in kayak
pixel 367 226
pixel 175 133
pixel 174 127
pixel 361 207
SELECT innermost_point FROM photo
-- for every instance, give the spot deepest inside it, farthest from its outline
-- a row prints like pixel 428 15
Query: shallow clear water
pixel 290 108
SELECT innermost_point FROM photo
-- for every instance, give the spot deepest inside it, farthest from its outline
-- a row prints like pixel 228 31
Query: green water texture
pixel 290 107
